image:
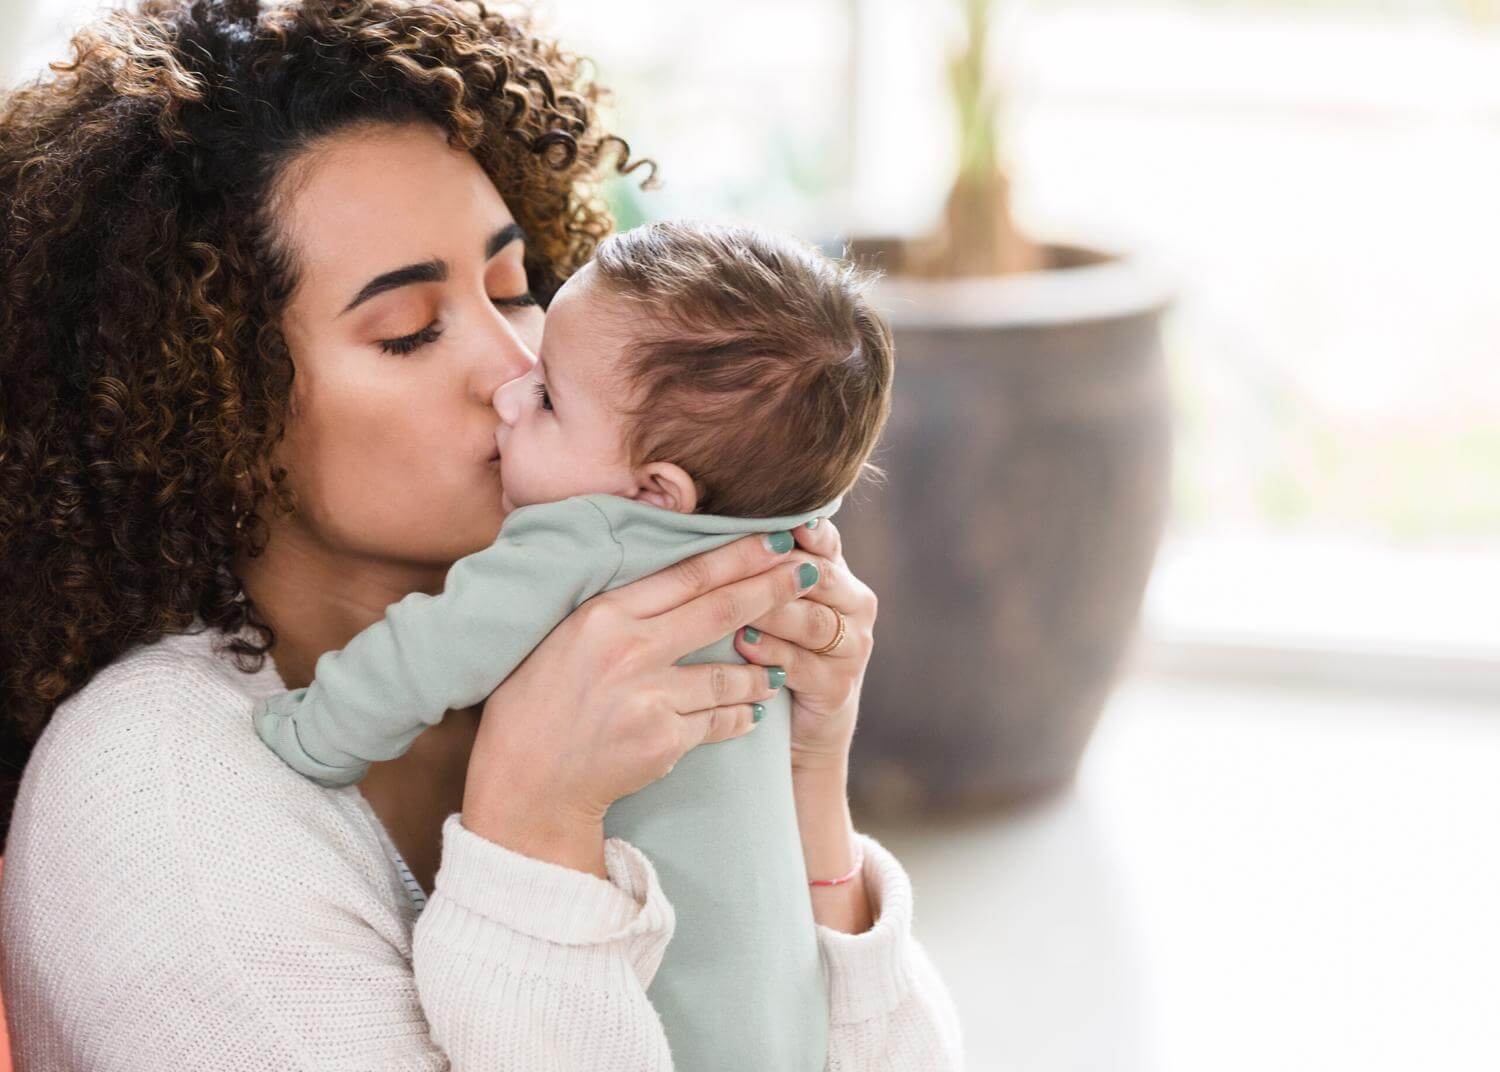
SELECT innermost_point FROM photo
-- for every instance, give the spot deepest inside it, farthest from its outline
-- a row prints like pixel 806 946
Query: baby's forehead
pixel 587 336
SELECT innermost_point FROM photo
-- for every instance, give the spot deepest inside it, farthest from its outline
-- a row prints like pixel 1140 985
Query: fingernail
pixel 814 522
pixel 752 635
pixel 757 712
pixel 807 575
pixel 776 675
pixel 780 542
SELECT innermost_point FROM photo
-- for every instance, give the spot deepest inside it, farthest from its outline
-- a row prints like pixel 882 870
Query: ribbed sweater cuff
pixel 869 974
pixel 548 900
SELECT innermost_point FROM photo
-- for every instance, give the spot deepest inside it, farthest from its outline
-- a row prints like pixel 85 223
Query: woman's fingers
pixel 692 577
pixel 721 611
pixel 805 673
pixel 836 588
pixel 708 685
pixel 807 622
pixel 720 724
pixel 822 539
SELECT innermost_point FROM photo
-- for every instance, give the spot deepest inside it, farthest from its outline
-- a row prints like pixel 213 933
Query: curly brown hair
pixel 143 376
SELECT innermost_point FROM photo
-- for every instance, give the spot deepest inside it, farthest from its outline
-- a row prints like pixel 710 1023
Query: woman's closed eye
pixel 542 396
pixel 407 343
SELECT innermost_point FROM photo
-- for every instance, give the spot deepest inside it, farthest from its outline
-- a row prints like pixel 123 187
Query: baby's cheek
pixel 530 471
pixel 541 466
pixel 513 474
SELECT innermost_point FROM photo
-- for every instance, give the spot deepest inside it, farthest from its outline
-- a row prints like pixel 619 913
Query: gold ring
pixel 838 638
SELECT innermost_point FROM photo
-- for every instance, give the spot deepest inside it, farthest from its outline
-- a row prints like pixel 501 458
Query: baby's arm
pixel 429 654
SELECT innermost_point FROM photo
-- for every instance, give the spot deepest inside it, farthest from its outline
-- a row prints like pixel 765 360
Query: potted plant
pixel 1028 462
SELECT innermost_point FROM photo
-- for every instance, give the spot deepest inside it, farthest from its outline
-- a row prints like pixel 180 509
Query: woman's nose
pixel 508 354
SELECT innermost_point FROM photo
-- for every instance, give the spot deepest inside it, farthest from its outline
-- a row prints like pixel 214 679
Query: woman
pixel 263 274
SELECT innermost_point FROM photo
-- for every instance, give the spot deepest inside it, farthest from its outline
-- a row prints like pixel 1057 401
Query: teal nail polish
pixel 780 542
pixel 807 575
pixel 814 522
pixel 752 635
pixel 776 675
pixel 757 712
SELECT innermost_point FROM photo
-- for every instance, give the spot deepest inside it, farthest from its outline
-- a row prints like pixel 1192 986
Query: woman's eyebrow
pixel 433 271
pixel 502 238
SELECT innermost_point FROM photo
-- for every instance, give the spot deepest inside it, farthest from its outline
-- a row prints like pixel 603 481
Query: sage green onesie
pixel 741 985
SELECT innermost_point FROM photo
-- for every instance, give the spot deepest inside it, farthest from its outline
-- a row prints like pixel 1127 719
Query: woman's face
pixel 411 310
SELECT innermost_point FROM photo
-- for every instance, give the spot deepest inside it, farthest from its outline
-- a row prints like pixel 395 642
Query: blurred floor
pixel 1242 878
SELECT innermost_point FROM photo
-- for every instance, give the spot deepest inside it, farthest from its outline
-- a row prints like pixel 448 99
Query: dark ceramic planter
pixel 1028 458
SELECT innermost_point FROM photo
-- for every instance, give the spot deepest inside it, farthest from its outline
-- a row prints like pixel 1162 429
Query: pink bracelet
pixel 859 859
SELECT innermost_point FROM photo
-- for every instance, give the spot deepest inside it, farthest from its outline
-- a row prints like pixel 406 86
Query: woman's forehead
pixel 379 199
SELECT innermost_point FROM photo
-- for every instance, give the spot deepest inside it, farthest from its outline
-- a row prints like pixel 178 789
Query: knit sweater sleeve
pixel 525 964
pixel 502 927
pixel 889 1010
pixel 174 896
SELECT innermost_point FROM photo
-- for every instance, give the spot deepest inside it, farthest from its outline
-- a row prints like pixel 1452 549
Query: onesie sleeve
pixel 430 654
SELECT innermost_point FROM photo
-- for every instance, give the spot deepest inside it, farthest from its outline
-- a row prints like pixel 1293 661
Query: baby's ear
pixel 667 486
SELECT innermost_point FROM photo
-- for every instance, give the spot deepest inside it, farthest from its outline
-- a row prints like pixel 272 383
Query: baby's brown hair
pixel 763 370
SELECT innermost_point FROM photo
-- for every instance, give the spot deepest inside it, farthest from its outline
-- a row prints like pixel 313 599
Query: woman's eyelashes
pixel 518 300
pixel 407 343
pixel 542 396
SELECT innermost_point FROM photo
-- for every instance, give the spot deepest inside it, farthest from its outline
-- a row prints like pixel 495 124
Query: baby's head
pixel 701 368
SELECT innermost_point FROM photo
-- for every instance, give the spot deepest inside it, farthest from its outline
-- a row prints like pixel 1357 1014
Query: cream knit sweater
pixel 175 897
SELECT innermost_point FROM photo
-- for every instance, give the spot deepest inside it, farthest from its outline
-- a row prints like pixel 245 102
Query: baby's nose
pixel 507 400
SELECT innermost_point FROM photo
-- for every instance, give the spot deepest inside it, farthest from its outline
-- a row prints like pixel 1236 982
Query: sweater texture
pixel 175 896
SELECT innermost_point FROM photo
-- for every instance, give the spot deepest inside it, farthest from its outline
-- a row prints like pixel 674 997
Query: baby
pixel 695 383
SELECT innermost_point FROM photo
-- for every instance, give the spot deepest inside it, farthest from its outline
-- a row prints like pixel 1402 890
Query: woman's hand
pixel 599 710
pixel 825 688
pixel 825 704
